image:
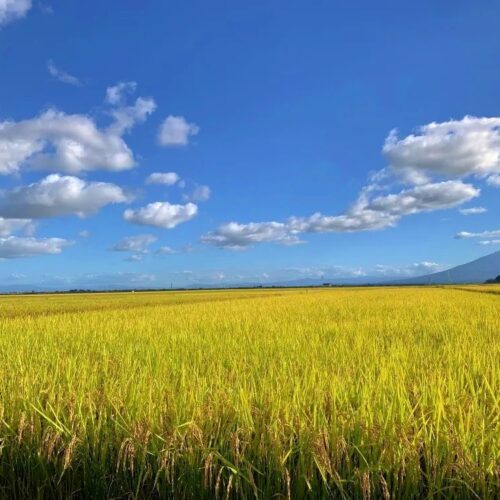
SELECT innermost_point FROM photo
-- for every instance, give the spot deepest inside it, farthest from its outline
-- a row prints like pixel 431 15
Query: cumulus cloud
pixel 236 236
pixel 456 148
pixel 116 94
pixel 494 180
pixel 12 247
pixel 366 214
pixel 386 211
pixel 72 143
pixel 67 143
pixel 138 244
pixel 473 211
pixel 161 214
pixel 10 10
pixel 483 234
pixel 166 178
pixel 62 76
pixel 200 194
pixel 57 195
pixel 175 131
pixel 9 226
pixel 127 116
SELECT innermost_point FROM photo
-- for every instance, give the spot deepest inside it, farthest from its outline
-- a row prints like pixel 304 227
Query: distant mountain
pixel 477 271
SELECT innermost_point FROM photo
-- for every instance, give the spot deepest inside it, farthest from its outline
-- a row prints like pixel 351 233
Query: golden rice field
pixel 306 393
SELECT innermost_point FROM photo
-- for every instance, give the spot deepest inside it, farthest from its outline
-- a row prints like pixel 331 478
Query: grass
pixel 370 393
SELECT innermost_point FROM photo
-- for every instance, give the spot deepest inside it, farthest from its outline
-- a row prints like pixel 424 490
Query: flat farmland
pixel 291 393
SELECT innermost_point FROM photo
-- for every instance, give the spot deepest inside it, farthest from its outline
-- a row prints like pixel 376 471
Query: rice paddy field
pixel 305 393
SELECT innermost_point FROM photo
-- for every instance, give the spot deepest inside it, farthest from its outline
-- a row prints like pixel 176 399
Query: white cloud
pixel 11 10
pixel 175 131
pixel 127 116
pixel 84 234
pixel 457 148
pixel 138 244
pixel 484 234
pixel 67 143
pixel 494 180
pixel 72 143
pixel 57 195
pixel 166 178
pixel 165 250
pixel 366 214
pixel 62 75
pixel 236 236
pixel 425 198
pixel 416 269
pixel 200 194
pixel 13 247
pixel 137 257
pixel 9 226
pixel 473 211
pixel 386 211
pixel 489 242
pixel 161 214
pixel 116 94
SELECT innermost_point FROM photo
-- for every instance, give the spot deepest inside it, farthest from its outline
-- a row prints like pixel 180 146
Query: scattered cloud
pixel 365 215
pixel 165 250
pixel 415 269
pixel 236 236
pixel 61 142
pixel 473 211
pixel 116 94
pixel 175 131
pixel 138 244
pixel 456 148
pixel 62 76
pixel 57 195
pixel 9 226
pixel 166 178
pixel 73 143
pixel 12 247
pixel 161 214
pixel 112 280
pixel 10 10
pixel 136 257
pixel 333 271
pixel 489 242
pixel 484 234
pixel 126 117
pixel 200 194
pixel 494 180
pixel 84 234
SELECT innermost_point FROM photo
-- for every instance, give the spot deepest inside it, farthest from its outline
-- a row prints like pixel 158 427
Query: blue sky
pixel 330 139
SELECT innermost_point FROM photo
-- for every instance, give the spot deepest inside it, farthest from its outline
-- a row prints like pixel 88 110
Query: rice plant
pixel 307 393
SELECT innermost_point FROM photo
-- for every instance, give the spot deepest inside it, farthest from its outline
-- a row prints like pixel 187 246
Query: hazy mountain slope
pixel 477 271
